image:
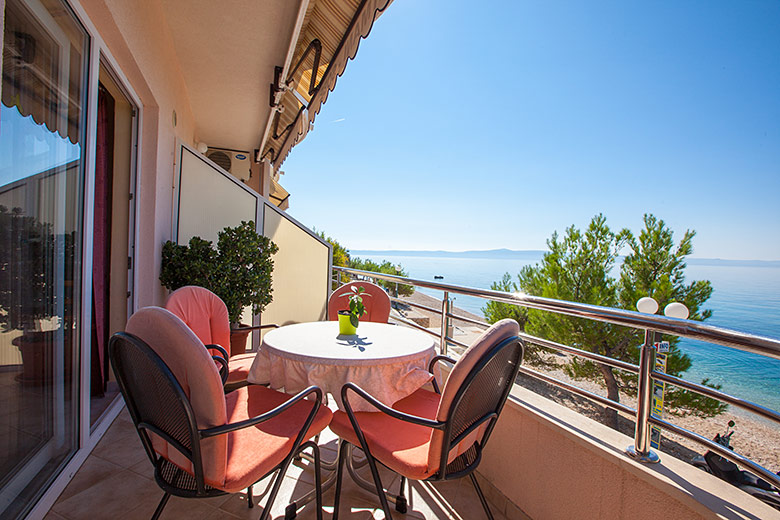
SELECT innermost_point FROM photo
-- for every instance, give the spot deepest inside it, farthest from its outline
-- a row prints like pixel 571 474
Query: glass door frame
pixel 89 437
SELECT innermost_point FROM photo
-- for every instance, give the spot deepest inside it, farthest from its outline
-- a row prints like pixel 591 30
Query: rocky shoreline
pixel 754 437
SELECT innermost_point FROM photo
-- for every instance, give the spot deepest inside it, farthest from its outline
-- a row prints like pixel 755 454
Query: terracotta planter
pixel 37 350
pixel 238 339
pixel 345 325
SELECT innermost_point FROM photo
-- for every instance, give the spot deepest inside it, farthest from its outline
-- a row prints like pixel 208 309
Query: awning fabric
pixel 339 25
pixel 33 81
pixel 278 195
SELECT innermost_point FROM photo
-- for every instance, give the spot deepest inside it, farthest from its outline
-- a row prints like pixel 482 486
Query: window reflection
pixel 41 179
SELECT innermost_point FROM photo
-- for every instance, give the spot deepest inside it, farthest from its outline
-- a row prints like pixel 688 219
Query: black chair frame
pixel 462 465
pixel 175 481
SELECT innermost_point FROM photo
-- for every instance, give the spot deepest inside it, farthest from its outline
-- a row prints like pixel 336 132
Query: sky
pixel 468 125
pixel 41 149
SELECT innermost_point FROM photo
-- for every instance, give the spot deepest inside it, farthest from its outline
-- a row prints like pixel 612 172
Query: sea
pixel 746 297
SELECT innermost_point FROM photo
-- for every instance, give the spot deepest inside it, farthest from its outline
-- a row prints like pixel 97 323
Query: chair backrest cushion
pixel 192 366
pixel 377 302
pixel 494 335
pixel 203 312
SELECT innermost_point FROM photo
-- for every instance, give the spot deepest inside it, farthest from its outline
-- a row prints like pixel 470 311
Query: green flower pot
pixel 345 325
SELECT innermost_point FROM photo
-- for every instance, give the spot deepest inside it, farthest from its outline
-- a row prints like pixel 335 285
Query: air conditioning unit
pixel 234 162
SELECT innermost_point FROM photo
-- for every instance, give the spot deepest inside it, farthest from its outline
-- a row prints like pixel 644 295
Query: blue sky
pixel 470 125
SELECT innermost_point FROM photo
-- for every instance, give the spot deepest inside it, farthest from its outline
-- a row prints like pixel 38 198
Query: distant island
pixel 531 254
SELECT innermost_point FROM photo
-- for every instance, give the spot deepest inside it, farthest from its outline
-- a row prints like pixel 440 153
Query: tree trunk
pixel 613 393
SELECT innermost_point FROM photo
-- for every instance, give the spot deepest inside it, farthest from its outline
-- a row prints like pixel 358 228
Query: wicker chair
pixel 201 441
pixel 435 435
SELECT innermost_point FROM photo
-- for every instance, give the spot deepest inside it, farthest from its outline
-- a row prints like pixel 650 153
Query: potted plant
pixel 350 319
pixel 238 271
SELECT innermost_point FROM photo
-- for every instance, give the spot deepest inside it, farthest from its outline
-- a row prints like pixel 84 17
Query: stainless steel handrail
pixel 761 345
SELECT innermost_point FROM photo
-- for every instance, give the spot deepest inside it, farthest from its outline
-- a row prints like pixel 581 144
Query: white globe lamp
pixel 647 305
pixel 676 310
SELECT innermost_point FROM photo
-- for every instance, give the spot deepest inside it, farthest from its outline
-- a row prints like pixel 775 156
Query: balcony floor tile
pixel 117 481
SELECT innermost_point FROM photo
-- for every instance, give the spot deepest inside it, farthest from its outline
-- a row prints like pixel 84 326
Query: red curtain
pixel 101 252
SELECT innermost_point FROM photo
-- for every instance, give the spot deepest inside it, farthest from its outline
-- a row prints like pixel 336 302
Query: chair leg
pixel 378 483
pixel 249 499
pixel 275 488
pixel 400 500
pixel 318 480
pixel 481 496
pixel 161 506
pixel 339 475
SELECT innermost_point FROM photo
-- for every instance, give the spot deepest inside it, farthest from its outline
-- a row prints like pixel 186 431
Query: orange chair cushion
pixel 239 367
pixel 377 303
pixel 253 452
pixel 498 332
pixel 193 368
pixel 203 312
pixel 399 445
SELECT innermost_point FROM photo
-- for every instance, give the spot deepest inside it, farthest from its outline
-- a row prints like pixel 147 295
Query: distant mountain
pixel 490 253
pixel 735 263
pixel 531 254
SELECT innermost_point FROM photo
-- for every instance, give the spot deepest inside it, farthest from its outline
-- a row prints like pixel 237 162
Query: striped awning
pixel 42 72
pixel 278 195
pixel 330 36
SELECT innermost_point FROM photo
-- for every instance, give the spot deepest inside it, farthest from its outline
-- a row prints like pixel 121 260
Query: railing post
pixel 338 278
pixel 445 309
pixel 640 450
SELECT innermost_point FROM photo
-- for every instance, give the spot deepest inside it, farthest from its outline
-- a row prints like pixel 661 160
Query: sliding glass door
pixel 42 129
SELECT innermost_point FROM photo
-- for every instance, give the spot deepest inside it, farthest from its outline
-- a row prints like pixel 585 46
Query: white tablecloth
pixel 390 362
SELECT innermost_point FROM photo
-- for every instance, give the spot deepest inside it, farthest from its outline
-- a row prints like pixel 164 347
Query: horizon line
pixel 542 251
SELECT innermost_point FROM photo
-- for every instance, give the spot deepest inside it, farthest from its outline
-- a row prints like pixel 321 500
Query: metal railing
pixel 645 370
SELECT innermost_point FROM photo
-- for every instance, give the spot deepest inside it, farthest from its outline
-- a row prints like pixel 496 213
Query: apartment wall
pixel 545 461
pixel 138 37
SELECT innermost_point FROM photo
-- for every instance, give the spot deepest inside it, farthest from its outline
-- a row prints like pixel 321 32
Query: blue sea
pixel 746 297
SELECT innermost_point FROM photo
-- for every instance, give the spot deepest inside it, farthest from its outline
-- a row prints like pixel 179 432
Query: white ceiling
pixel 228 51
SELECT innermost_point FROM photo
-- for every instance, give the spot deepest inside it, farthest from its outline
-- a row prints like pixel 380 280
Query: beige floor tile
pixel 104 489
pixel 121 445
pixel 236 506
pixel 143 468
pixel 92 472
pixel 110 498
pixel 177 507
pixel 456 500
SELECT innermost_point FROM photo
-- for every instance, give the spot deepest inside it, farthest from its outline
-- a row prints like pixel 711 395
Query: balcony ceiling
pixel 227 52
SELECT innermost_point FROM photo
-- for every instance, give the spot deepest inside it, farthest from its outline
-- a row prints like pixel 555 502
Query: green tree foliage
pixel 495 311
pixel 342 258
pixel 655 267
pixel 386 267
pixel 238 271
pixel 29 254
pixel 340 253
pixel 578 268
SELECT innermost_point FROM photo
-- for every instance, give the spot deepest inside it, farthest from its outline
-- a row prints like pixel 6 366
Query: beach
pixel 754 437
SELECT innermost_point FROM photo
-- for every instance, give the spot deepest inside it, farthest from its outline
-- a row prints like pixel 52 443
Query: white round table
pixel 388 361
